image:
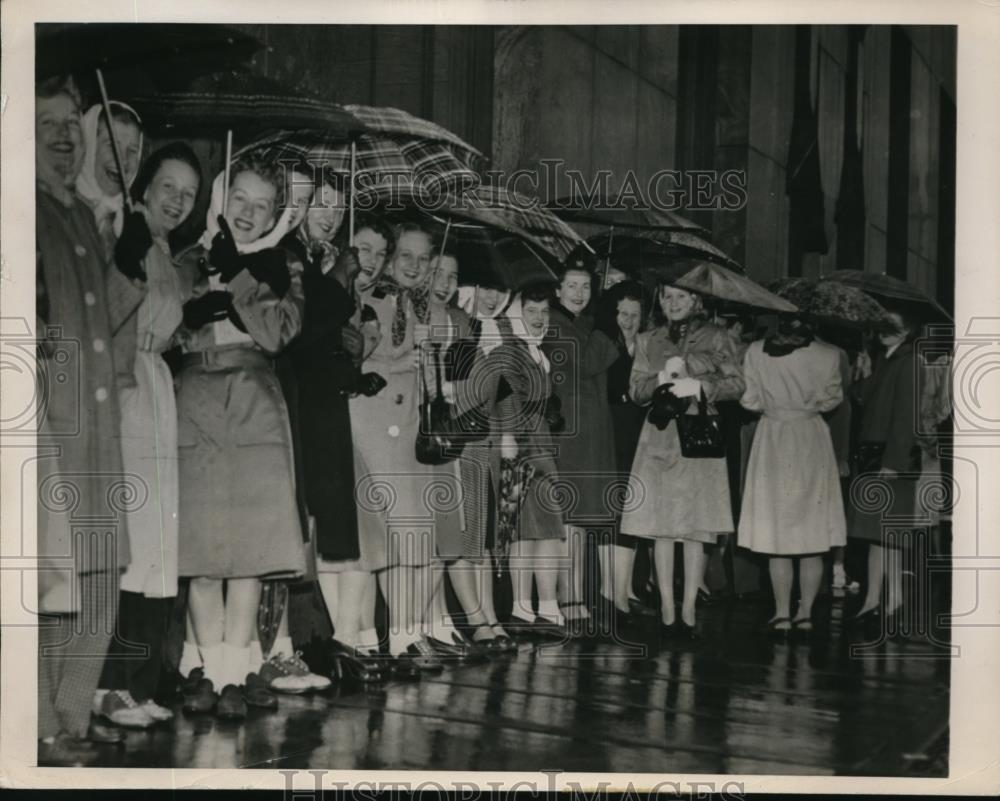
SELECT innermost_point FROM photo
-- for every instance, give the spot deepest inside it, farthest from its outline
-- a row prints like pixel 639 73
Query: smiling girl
pixel 238 520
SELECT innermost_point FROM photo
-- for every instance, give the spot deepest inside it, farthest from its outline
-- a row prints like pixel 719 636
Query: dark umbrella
pixel 170 53
pixel 891 291
pixel 614 213
pixel 490 249
pixel 251 103
pixel 832 302
pixel 715 281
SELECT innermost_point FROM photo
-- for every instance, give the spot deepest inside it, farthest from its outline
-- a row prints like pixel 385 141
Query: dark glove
pixel 132 246
pixel 370 384
pixel 209 308
pixel 223 255
pixel 553 414
pixel 269 267
pixel 347 264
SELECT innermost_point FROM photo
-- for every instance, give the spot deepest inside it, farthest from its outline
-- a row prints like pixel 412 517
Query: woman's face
pixel 487 301
pixel 251 208
pixel 128 137
pixel 896 337
pixel 58 139
pixel 629 317
pixel 170 196
pixel 535 314
pixel 299 194
pixel 444 270
pixel 676 303
pixel 372 249
pixel 574 291
pixel 324 217
pixel 412 261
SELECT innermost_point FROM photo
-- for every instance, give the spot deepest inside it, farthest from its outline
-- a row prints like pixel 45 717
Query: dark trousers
pixel 71 654
pixel 135 657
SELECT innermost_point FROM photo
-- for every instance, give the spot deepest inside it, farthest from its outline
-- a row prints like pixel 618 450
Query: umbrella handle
pixel 350 194
pixel 225 180
pixel 607 258
pixel 114 141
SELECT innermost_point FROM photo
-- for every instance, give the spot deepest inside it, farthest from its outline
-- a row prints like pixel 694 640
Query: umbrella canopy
pixel 526 213
pixel 715 281
pixel 395 146
pixel 892 291
pixel 636 250
pixel 169 53
pixel 612 212
pixel 245 103
pixel 491 250
pixel 832 302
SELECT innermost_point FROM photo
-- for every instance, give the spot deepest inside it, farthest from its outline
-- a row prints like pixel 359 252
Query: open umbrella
pixel 170 54
pixel 715 281
pixel 892 291
pixel 555 236
pixel 614 213
pixel 229 101
pixel 490 248
pixel 632 251
pixel 832 302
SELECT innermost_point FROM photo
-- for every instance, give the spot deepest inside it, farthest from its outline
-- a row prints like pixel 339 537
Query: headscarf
pixel 323 248
pixel 418 296
pixel 268 240
pixel 489 331
pixel 108 209
pixel 520 330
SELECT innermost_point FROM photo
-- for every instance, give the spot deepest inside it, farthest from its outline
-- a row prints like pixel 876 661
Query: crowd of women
pixel 279 446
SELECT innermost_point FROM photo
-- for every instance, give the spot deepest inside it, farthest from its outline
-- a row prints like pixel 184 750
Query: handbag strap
pixel 435 351
pixel 702 404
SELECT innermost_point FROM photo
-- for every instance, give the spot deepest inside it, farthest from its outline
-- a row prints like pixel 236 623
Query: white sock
pixel 399 642
pixel 367 641
pixel 236 663
pixel 522 610
pixel 256 657
pixel 214 665
pixel 550 611
pixel 190 659
pixel 283 646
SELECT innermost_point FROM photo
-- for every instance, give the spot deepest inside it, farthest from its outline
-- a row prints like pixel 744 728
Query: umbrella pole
pixel 607 259
pixel 350 194
pixel 225 180
pixel 114 141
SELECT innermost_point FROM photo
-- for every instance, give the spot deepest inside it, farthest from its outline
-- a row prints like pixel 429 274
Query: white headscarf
pixel 105 207
pixel 268 240
pixel 514 314
pixel 490 335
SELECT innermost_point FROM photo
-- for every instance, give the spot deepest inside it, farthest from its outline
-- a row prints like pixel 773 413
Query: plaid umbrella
pixel 832 302
pixel 395 145
pixel 892 291
pixel 489 247
pixel 715 281
pixel 554 235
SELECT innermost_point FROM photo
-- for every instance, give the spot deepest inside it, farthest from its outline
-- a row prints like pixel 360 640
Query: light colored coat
pixel 792 503
pixel 671 496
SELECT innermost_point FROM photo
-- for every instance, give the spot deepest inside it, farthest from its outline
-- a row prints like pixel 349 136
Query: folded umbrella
pixel 832 302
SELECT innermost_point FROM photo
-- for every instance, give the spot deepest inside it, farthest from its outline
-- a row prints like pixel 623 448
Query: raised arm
pixel 273 322
pixel 645 376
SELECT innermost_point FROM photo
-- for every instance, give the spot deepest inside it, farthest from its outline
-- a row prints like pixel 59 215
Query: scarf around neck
pixel 514 315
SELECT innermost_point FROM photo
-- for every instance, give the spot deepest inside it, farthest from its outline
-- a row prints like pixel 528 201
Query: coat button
pixel 80 251
pixel 99 346
pixel 89 298
pixel 101 394
pixel 393 431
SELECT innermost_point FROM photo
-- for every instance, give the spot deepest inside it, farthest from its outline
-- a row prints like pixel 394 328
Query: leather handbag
pixel 701 434
pixel 440 435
